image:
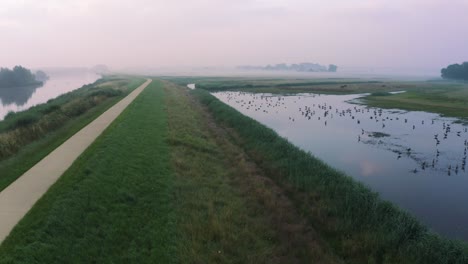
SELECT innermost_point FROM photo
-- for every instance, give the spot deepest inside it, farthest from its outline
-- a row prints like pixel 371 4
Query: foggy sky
pixel 152 33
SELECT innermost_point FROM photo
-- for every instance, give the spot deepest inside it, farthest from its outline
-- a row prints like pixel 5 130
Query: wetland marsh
pixel 412 158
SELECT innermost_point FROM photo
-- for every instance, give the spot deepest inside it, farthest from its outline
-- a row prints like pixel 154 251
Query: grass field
pixel 164 185
pixel 181 177
pixel 449 100
pixel 287 85
pixel 33 151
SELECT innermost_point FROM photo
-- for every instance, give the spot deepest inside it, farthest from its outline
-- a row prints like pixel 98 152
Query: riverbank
pixel 449 98
pixel 408 157
pixel 354 220
pixel 60 82
pixel 27 137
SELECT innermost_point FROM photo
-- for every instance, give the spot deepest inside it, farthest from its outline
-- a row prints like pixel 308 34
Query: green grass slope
pixel 32 152
pixel 113 204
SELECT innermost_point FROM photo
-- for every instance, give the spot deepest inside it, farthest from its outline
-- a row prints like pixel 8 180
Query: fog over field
pixel 420 36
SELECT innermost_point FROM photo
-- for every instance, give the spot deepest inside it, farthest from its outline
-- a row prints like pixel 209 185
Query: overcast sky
pixel 156 33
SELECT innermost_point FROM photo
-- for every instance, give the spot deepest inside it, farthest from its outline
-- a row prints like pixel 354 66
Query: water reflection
pixel 60 82
pixel 17 95
pixel 415 159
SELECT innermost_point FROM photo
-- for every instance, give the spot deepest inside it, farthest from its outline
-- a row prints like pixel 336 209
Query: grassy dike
pixel 359 226
pixel 113 205
pixel 164 185
pixel 32 152
pixel 228 212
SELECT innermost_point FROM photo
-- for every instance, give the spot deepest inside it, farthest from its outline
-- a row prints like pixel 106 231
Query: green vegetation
pixel 17 77
pixel 292 87
pixel 288 85
pixel 445 97
pixel 359 226
pixel 448 99
pixel 181 177
pixel 227 211
pixel 113 205
pixel 19 129
pixel 380 94
pixel 25 139
pixel 184 194
pixel 456 72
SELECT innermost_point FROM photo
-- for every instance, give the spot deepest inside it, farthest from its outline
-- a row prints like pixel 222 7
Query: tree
pixel 332 68
pixel 19 76
pixel 41 76
pixel 456 71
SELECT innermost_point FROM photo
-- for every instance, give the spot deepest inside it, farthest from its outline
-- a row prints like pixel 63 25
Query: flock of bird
pixel 319 110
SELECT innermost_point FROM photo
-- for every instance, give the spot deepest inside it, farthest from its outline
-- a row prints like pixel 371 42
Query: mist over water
pixel 415 159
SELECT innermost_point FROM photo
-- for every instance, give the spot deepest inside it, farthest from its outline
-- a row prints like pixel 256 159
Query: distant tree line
pixel 332 68
pixel 18 76
pixel 456 72
pixel 301 67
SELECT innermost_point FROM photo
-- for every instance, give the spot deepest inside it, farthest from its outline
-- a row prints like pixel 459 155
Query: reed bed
pixel 356 222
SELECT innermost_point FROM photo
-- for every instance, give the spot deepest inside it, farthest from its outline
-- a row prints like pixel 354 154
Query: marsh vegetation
pixel 359 225
pixel 385 149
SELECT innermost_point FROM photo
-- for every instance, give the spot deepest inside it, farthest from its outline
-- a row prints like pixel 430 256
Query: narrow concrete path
pixel 18 198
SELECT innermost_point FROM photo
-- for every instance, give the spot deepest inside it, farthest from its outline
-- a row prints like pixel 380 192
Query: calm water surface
pixel 60 82
pixel 414 159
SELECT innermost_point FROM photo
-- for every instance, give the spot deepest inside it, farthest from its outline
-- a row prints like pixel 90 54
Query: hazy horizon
pixel 421 35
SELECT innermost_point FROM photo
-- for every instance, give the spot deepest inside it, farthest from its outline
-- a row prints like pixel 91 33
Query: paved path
pixel 21 195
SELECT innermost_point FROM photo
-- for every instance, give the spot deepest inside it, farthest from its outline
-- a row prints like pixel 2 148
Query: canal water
pixel 415 159
pixel 60 82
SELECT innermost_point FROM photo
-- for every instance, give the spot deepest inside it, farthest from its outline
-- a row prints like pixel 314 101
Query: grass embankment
pixel 360 227
pixel 162 185
pixel 228 211
pixel 450 99
pixel 27 137
pixel 113 205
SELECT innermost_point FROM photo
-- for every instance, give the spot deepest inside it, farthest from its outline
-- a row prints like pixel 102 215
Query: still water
pixel 60 82
pixel 414 159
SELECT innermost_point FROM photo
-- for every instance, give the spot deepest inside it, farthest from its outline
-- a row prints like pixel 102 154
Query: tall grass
pixel 114 205
pixel 360 226
pixel 226 215
pixel 20 129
